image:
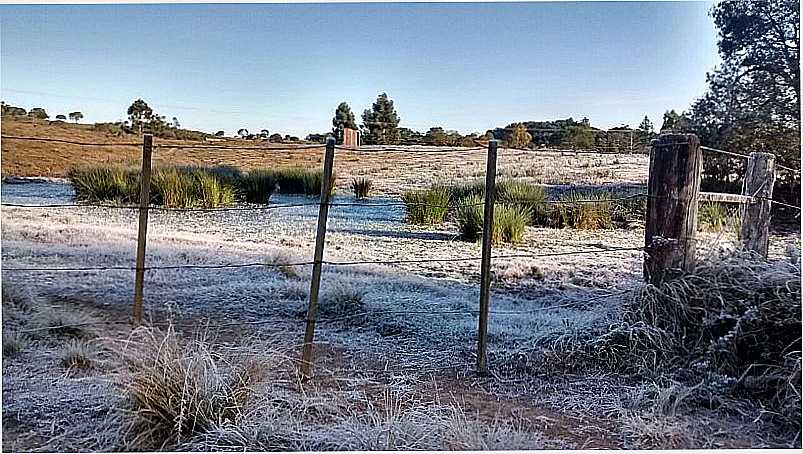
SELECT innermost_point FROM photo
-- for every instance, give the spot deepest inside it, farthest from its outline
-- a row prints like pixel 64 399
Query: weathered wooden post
pixel 142 235
pixel 485 266
pixel 315 285
pixel 672 192
pixel 758 183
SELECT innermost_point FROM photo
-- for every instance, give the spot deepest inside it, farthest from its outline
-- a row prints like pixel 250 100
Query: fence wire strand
pixel 72 142
pixel 323 262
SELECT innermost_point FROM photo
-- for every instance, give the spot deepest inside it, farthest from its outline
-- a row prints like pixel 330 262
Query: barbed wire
pixel 72 142
pixel 238 147
pixel 410 150
pixel 744 156
pixel 323 262
pixel 323 320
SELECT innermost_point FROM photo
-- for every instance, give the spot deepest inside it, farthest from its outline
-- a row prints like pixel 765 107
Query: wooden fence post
pixel 758 182
pixel 672 192
pixel 142 235
pixel 485 267
pixel 315 285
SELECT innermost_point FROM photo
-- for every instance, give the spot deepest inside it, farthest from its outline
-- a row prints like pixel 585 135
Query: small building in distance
pixel 351 138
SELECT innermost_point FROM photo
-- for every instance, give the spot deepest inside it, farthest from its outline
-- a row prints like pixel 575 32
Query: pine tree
pixel 344 118
pixel 381 123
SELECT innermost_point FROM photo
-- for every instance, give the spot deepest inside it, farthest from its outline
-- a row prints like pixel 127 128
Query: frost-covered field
pixel 415 329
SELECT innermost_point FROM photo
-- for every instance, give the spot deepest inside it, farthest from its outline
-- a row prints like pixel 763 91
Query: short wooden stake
pixel 142 235
pixel 672 196
pixel 758 183
pixel 485 267
pixel 315 285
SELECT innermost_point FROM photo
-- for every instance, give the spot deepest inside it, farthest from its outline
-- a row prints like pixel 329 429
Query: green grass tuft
pixel 361 187
pixel 428 206
pixel 578 213
pixel 509 221
pixel 257 185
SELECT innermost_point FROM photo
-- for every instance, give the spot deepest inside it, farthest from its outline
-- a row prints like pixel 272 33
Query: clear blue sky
pixel 285 67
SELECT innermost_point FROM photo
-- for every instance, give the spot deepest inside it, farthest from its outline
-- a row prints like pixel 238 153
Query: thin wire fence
pixel 598 250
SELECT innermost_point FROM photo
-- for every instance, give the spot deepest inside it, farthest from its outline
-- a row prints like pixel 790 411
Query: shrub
pixel 584 210
pixel 180 390
pixel 732 327
pixel 426 206
pixel 361 187
pixel 258 185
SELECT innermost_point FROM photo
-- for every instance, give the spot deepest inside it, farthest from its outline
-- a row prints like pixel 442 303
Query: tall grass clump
pixel 179 390
pixel 361 187
pixel 297 180
pixel 509 221
pixel 100 184
pixel 258 185
pixel 469 216
pixel 463 190
pixel 525 195
pixel 427 206
pixel 174 187
pixel 717 217
pixel 584 210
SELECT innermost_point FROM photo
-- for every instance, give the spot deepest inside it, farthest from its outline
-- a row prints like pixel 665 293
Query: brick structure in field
pixel 351 138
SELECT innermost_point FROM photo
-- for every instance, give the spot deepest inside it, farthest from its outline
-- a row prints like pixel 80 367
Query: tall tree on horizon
pixel 344 118
pixel 138 112
pixel 381 123
pixel 753 97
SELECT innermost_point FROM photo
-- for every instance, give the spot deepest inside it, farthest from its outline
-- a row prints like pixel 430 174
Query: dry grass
pixel 13 343
pixel 732 327
pixel 52 159
pixel 179 390
pixel 79 355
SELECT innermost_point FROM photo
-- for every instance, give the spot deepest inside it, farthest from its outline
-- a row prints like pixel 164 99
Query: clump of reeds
pixel 174 187
pixel 525 195
pixel 426 206
pixel 257 185
pixel 361 187
pixel 584 210
pixel 509 221
pixel 100 184
pixel 717 217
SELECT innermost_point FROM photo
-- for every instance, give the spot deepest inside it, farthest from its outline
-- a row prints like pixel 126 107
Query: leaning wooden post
pixel 758 182
pixel 672 192
pixel 315 285
pixel 485 267
pixel 142 235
